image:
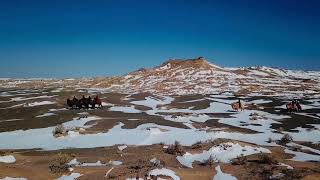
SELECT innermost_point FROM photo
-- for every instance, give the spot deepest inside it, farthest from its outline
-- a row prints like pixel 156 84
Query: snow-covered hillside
pixel 195 76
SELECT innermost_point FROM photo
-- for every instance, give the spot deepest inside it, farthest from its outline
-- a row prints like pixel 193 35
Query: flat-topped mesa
pixel 199 62
pixel 176 65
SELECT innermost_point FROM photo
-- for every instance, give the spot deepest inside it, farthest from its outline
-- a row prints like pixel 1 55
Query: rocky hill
pixel 196 76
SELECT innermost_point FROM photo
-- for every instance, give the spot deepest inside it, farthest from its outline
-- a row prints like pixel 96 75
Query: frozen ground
pixel 192 76
pixel 145 120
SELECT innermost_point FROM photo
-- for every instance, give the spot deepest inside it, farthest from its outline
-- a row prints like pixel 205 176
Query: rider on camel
pixel 293 102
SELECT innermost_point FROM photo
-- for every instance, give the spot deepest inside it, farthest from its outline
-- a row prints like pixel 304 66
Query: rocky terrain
pixel 173 121
pixel 193 76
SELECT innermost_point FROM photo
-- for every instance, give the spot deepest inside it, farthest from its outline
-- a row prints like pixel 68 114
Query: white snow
pixel 164 172
pixel 145 134
pixel 222 176
pixel 257 73
pixel 70 169
pixel 46 114
pixel 149 133
pixel 9 120
pixel 125 109
pixel 75 162
pixel 260 101
pixel 203 80
pixel 195 100
pixel 188 118
pixel 152 102
pixel 72 176
pixel 98 163
pixel 7 159
pixel 223 153
pixel 300 156
pixel 277 176
pixel 153 160
pixel 41 103
pixel 304 147
pixel 55 110
pixel 121 148
pixel 29 98
pixel 216 106
pixel 315 102
pixel 13 178
pixel 285 165
pixel 5 94
pixel 133 119
pixel 242 120
pixel 116 163
pixel 305 134
pixel 164 67
pixel 106 104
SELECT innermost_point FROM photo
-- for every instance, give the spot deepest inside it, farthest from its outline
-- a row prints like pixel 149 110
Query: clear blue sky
pixel 62 38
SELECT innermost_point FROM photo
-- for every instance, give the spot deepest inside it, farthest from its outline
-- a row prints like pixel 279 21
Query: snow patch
pixel 223 176
pixel 300 156
pixel 46 114
pixel 7 159
pixel 116 163
pixel 285 165
pixel 121 148
pixel 164 172
pixel 72 176
pixel 41 103
pixel 223 153
pixel 13 178
pixel 125 109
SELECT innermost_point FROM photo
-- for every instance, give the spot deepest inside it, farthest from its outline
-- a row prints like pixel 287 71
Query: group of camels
pixel 293 106
pixel 86 103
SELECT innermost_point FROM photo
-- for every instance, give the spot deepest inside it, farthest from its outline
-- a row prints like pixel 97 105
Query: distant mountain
pixel 198 76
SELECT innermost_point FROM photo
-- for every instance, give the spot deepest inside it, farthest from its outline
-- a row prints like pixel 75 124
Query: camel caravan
pixel 293 106
pixel 84 103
